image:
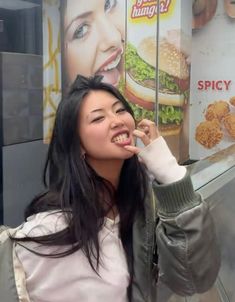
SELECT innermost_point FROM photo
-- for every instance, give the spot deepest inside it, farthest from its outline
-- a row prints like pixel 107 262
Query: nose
pixel 116 122
pixel 110 36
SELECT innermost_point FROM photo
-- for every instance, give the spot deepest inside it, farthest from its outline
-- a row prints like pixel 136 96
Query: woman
pixel 91 236
pixel 93 37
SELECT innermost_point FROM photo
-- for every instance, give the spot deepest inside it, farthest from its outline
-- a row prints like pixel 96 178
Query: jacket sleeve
pixel 189 257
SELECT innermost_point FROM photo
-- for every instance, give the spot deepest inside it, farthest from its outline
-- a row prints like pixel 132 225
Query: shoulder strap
pixel 3 228
pixel 7 278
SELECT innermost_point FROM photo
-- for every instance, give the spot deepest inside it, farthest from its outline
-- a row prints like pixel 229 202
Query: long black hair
pixel 76 190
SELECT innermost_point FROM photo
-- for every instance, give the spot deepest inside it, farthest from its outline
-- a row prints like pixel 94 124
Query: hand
pixel 147 131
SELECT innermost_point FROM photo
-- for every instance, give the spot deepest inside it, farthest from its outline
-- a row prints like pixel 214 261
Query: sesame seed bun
pixel 171 60
pixel 147 50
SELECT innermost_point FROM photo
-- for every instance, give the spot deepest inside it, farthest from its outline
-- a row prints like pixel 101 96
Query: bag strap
pixel 3 228
pixel 7 277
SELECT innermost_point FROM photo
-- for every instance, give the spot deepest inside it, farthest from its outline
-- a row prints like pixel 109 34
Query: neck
pixel 108 169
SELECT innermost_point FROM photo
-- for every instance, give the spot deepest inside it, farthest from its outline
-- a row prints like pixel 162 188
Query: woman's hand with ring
pixel 146 131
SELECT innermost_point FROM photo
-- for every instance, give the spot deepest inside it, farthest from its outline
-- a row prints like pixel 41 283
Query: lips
pixel 109 69
pixel 122 138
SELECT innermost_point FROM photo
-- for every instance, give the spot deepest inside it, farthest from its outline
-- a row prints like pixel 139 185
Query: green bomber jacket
pixel 179 230
pixel 174 241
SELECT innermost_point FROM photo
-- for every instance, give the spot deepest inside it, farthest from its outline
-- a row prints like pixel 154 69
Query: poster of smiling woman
pixel 93 35
pixel 80 37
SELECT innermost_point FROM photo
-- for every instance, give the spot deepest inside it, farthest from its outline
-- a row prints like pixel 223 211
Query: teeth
pixel 120 138
pixel 113 64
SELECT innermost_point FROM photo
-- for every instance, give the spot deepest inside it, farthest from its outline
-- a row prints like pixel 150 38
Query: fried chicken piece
pixel 217 110
pixel 208 133
pixel 229 124
pixel 232 101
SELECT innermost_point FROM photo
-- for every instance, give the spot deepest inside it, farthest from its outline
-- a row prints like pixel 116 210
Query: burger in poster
pixel 173 75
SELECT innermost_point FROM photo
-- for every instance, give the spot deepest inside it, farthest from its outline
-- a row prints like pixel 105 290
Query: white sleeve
pixel 161 163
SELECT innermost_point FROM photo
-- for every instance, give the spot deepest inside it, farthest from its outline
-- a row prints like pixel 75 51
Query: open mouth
pixel 112 64
pixel 121 138
pixel 109 69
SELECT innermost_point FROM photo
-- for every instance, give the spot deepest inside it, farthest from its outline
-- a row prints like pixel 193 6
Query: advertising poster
pixel 124 42
pixel 212 100
pixel 93 36
pixel 158 67
pixel 51 65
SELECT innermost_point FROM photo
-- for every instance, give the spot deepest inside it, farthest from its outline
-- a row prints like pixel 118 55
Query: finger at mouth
pixel 143 136
pixel 144 129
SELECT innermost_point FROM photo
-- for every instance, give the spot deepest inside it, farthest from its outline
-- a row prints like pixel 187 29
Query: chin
pixel 128 155
pixel 121 156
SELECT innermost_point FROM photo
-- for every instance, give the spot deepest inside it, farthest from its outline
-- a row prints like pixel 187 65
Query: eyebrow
pixel 84 15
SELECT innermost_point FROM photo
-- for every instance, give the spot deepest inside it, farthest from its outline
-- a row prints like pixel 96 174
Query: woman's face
pixel 94 33
pixel 105 127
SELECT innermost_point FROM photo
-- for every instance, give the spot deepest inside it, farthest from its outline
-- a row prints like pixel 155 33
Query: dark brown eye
pixel 97 119
pixel 121 110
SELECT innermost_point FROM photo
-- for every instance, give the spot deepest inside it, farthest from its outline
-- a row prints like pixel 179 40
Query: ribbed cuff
pixel 161 163
pixel 176 197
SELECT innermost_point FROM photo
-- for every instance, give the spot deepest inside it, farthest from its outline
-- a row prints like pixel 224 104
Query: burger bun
pixel 169 129
pixel 140 95
pixel 176 100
